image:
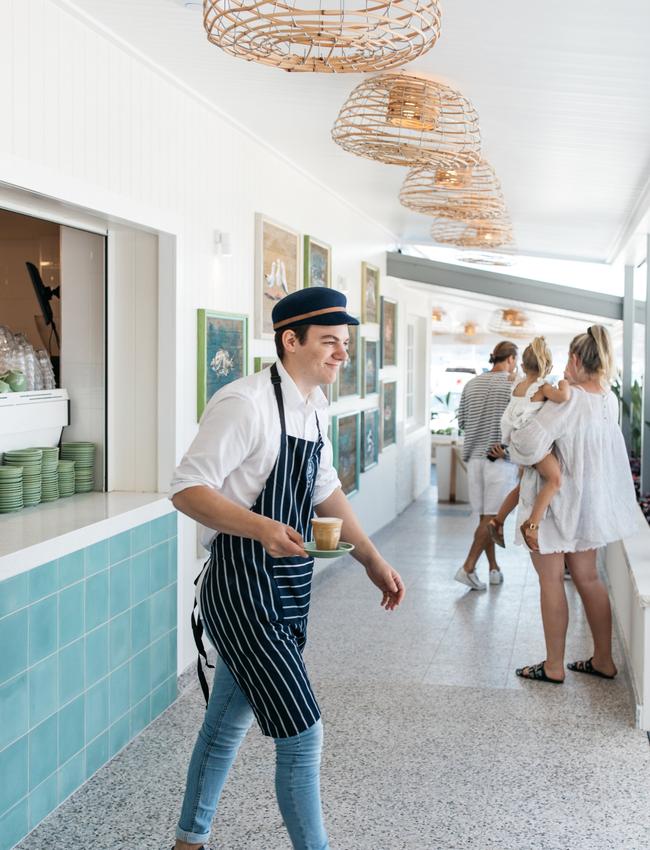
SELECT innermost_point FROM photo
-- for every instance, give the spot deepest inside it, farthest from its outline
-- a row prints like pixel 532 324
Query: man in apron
pixel 259 467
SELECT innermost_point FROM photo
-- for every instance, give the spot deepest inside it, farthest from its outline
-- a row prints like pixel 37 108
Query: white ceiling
pixel 562 89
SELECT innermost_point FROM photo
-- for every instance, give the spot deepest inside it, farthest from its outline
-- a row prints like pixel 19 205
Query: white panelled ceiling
pixel 562 89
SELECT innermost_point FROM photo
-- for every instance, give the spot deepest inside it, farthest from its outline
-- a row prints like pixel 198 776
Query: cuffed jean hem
pixel 191 837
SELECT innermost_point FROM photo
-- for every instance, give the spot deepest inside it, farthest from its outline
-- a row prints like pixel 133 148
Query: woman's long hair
pixel 594 350
pixel 537 357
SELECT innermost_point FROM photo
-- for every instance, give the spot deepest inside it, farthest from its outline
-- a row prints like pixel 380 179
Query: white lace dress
pixel 596 503
pixel 520 409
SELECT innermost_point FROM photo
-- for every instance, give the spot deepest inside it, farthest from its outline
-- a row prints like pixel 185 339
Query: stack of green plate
pixel 50 475
pixel 31 461
pixel 11 489
pixel 66 478
pixel 83 454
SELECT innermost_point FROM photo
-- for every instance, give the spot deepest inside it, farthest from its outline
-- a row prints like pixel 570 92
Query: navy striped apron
pixel 254 607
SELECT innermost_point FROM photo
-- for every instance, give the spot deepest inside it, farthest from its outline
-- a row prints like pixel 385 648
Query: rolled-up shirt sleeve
pixel 534 440
pixel 225 439
pixel 327 480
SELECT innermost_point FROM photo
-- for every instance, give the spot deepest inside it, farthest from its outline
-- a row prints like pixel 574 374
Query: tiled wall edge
pixel 26 559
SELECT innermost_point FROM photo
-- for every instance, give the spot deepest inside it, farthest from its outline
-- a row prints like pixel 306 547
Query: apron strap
pixel 277 381
pixel 197 631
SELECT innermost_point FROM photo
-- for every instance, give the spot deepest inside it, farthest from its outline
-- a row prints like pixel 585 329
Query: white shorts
pixel 489 482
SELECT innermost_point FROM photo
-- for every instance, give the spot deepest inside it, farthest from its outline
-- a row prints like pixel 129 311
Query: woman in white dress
pixel 595 505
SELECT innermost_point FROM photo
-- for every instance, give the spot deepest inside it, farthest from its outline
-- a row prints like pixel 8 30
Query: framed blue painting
pixel 222 353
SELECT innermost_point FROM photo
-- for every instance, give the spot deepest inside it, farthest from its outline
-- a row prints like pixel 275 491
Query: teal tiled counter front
pixel 87 660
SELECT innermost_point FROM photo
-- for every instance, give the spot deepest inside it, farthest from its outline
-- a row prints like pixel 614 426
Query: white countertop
pixel 50 530
pixel 637 550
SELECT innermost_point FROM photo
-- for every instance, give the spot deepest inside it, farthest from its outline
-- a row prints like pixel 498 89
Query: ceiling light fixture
pixel 496 233
pixel 331 36
pixel 477 196
pixel 403 119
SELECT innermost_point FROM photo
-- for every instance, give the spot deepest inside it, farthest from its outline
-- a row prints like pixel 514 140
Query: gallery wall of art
pixel 151 153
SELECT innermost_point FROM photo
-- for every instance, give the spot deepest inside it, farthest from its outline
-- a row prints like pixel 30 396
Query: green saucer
pixel 341 549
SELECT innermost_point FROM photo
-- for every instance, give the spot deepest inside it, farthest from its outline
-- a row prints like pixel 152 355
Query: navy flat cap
pixel 315 305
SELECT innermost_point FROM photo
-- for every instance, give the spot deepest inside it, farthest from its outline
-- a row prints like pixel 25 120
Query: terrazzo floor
pixel 431 743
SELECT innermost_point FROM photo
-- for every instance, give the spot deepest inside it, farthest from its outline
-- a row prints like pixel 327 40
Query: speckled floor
pixel 431 741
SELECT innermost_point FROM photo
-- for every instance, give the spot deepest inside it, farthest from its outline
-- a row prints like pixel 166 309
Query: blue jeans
pixel 297 769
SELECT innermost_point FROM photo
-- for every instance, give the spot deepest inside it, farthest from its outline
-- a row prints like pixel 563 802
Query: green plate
pixel 341 549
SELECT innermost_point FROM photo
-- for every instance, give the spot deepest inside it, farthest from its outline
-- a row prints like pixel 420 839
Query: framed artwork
pixel 369 438
pixel 317 260
pixel 369 293
pixel 349 381
pixel 388 332
pixel 277 269
pixel 388 408
pixel 370 370
pixel 222 353
pixel 347 449
pixel 260 363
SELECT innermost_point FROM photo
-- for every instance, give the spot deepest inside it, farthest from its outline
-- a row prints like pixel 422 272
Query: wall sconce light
pixel 222 243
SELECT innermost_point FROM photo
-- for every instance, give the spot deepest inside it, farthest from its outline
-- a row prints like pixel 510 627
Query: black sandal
pixel 588 668
pixel 537 673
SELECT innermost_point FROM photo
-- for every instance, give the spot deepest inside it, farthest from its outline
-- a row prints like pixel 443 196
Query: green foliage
pixel 635 411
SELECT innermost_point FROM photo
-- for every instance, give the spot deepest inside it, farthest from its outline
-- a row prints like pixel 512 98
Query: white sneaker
pixel 470 579
pixel 496 577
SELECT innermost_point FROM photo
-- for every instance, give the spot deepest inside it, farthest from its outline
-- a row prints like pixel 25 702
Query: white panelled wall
pixel 90 123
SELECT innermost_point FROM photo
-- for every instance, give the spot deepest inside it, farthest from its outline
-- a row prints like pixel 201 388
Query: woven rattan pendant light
pixel 403 119
pixel 481 233
pixel 462 194
pixel 335 36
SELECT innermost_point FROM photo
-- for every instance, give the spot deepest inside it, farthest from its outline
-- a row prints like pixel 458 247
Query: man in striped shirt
pixel 490 474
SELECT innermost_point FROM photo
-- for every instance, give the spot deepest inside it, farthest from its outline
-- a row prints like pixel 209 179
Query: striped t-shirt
pixel 482 403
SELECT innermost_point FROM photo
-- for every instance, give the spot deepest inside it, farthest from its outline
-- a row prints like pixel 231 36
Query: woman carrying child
pixel 528 398
pixel 594 506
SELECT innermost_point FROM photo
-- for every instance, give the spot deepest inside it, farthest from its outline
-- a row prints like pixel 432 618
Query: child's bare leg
pixel 549 469
pixel 507 507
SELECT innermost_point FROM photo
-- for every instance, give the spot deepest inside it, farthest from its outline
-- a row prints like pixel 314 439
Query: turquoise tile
pixel 71 775
pixel 13 632
pixel 14 771
pixel 71 613
pixel 43 689
pixel 159 570
pixel 140 577
pixel 172 524
pixel 172 653
pixel 97 709
pixel 43 581
pixel 13 826
pixel 119 547
pixel 140 716
pixel 159 700
pixel 120 639
pixel 96 754
pixel 71 729
pixel 71 671
pixel 158 654
pixel 159 530
pixel 119 693
pixel 140 538
pixel 140 626
pixel 14 594
pixel 172 557
pixel 119 735
pixel 96 655
pixel 159 614
pixel 14 709
pixel 172 606
pixel 43 760
pixel 96 600
pixel 140 673
pixel 172 684
pixel 96 557
pixel 71 568
pixel 120 588
pixel 43 631
pixel 43 800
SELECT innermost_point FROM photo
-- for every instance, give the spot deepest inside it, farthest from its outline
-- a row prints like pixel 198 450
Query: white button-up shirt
pixel 239 439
